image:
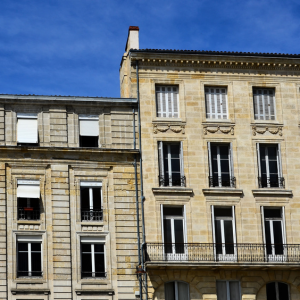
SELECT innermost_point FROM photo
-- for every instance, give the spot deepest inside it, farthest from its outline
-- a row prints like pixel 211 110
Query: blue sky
pixel 74 47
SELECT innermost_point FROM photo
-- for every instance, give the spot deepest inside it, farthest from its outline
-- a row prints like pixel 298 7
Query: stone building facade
pixel 221 166
pixel 68 198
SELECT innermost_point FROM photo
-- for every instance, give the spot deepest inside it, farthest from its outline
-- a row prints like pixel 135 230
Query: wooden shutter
pixel 167 101
pixel 27 130
pixel 181 160
pixel 258 159
pixel 175 102
pixel 209 159
pixel 216 103
pixel 231 161
pixel 264 104
pixel 161 158
pixel 158 101
pixel 279 163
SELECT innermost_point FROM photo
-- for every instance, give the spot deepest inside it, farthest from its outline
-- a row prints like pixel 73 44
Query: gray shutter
pixel 255 104
pixel 209 159
pixel 170 290
pixel 164 101
pixel 231 161
pixel 161 159
pixel 169 96
pixel 213 230
pixel 218 100
pixel 263 228
pixel 266 104
pixel 181 160
pixel 183 290
pixel 208 103
pixel 272 104
pixel 213 104
pixel 158 101
pixel 223 94
pixel 283 226
pixel 258 160
pixel 175 102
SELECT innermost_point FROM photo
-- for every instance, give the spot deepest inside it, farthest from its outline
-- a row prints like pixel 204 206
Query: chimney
pixel 133 38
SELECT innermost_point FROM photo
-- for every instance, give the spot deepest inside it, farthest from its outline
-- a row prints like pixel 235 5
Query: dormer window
pixel 88 131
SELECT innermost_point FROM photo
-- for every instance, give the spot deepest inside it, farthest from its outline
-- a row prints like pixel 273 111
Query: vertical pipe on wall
pixel 134 140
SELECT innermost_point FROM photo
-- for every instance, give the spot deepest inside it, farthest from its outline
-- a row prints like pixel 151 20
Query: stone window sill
pixel 272 192
pixel 222 192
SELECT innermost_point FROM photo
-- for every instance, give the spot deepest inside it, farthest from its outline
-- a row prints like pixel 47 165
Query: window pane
pixel 283 290
pixel 224 152
pixel 85 198
pixel 228 237
pixel 86 265
pixel 97 198
pixel 172 211
pixel 218 237
pixel 175 150
pixel 221 290
pixel 183 291
pixel 234 287
pixel 36 262
pixel 99 248
pixel 22 259
pixel 22 247
pixel 170 291
pixel 86 247
pixel 263 161
pixel 167 236
pixel 272 212
pixel 99 265
pixel 271 291
pixel 278 239
pixel 36 247
pixel 223 212
pixel 178 227
pixel 268 237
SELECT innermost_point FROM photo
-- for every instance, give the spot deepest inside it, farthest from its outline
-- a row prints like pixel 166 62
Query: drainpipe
pixel 141 177
pixel 134 139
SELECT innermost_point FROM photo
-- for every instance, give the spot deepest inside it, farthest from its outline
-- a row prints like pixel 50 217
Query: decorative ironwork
pixel 209 252
pixel 93 274
pixel 28 213
pixel 222 181
pixel 172 181
pixel 270 182
pixel 92 215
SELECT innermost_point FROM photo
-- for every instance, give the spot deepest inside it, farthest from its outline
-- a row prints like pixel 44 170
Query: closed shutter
pixel 167 101
pixel 181 162
pixel 231 161
pixel 258 160
pixel 264 104
pixel 27 130
pixel 209 159
pixel 216 103
pixel 279 163
pixel 161 159
pixel 89 127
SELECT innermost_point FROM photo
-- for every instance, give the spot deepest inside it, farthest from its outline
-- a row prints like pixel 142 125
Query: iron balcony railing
pixel 271 182
pixel 28 213
pixel 218 253
pixel 174 180
pixel 222 181
pixel 92 215
pixel 93 274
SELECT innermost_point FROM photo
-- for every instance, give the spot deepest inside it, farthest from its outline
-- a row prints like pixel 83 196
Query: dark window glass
pixel 223 212
pixel 172 211
pixel 167 236
pixel 88 141
pixel 97 198
pixel 218 236
pixel 283 290
pixel 179 239
pixel 228 236
pixel 272 212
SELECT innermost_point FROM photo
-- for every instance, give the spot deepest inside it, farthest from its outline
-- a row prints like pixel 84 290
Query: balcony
pixel 271 182
pixel 92 215
pixel 28 213
pixel 174 180
pixel 218 254
pixel 222 181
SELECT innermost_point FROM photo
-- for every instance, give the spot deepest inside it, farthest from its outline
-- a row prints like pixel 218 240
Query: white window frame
pixel 265 112
pixel 176 288
pixel 169 112
pixel 29 240
pixel 174 255
pixel 21 138
pixel 224 256
pixel 230 160
pixel 228 287
pixel 92 241
pixel 211 101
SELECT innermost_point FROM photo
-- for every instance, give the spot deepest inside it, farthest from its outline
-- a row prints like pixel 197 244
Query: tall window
pixel 177 290
pixel 28 194
pixel 264 104
pixel 274 232
pixel 27 129
pixel 269 166
pixel 277 291
pixel 171 164
pixel 88 131
pixel 29 256
pixel 91 205
pixel 167 101
pixel 173 231
pixel 228 290
pixel 220 165
pixel 92 257
pixel 216 103
pixel 224 232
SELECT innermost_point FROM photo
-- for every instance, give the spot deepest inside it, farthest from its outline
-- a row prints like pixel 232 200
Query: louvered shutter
pixel 161 160
pixel 231 163
pixel 209 159
pixel 216 103
pixel 167 101
pixel 27 129
pixel 264 104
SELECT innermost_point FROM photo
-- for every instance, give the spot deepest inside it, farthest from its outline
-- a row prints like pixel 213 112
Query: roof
pixel 221 53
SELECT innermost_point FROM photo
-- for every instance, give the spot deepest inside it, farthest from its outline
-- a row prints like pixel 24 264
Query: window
pixel 92 257
pixel 269 166
pixel 228 290
pixel 167 101
pixel 170 164
pixel 174 235
pixel 176 290
pixel 28 194
pixel 220 165
pixel 224 232
pixel 90 198
pixel 264 104
pixel 27 129
pixel 277 291
pixel 29 256
pixel 274 232
pixel 89 131
pixel 216 103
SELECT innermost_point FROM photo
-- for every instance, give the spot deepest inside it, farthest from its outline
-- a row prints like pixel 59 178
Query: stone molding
pixel 260 129
pixel 272 193
pixel 172 190
pixel 218 128
pixel 30 291
pixel 95 292
pixel 174 127
pixel 222 192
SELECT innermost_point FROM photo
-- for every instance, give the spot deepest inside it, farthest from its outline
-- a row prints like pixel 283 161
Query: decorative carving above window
pixel 263 129
pixel 218 129
pixel 176 128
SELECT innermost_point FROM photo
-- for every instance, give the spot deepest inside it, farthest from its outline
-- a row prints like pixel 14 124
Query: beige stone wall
pixel 191 73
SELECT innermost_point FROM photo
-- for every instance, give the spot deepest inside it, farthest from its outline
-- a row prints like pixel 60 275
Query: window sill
pixel 95 291
pixel 38 222
pixel 172 190
pixel 31 291
pixel 222 191
pixel 218 121
pixel 266 122
pixel 87 223
pixel 272 192
pixel 167 120
pixel 31 280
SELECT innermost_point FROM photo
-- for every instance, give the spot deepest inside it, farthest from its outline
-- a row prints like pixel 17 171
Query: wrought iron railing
pixel 92 215
pixel 222 181
pixel 212 252
pixel 172 181
pixel 28 213
pixel 93 274
pixel 270 182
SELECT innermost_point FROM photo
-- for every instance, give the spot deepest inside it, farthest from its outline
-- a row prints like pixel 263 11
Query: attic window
pixel 89 131
pixel 27 129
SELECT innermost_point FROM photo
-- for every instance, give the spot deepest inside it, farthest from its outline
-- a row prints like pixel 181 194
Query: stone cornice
pixel 172 190
pixel 272 193
pixel 222 192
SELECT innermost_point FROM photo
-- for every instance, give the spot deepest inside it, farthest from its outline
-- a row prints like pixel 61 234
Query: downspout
pixel 141 176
